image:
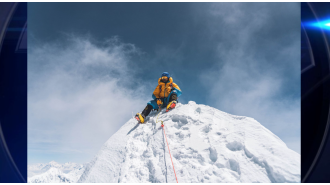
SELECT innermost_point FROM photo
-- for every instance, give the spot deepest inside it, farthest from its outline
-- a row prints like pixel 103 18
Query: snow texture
pixel 54 173
pixel 207 145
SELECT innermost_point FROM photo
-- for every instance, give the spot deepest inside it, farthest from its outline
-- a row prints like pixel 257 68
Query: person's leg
pixel 147 110
pixel 151 105
pixel 177 92
pixel 172 101
pixel 171 97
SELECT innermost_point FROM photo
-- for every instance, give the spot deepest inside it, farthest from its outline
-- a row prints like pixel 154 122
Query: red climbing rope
pixel 170 153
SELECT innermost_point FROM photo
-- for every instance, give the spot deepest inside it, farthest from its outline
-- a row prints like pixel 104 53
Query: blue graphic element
pixel 13 93
pixel 325 24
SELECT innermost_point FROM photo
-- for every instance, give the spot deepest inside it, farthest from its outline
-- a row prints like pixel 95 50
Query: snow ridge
pixel 207 145
pixel 53 175
pixel 54 172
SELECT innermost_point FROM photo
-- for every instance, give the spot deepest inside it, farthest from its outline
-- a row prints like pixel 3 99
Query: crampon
pixel 139 118
pixel 171 106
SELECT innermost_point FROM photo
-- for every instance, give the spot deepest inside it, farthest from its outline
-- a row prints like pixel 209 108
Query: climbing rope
pixel 167 144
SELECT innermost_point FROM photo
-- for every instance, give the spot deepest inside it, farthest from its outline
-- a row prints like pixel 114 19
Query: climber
pixel 165 95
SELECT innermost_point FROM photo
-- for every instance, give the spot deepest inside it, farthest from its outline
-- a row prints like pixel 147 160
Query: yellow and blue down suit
pixel 164 92
pixel 167 92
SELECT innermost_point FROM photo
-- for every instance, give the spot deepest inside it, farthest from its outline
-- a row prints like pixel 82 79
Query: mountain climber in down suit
pixel 165 95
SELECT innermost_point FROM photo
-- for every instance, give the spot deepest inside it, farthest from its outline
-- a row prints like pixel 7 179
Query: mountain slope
pixel 53 172
pixel 53 175
pixel 207 145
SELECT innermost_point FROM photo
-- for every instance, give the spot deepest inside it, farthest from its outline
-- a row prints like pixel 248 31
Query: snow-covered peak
pixel 53 175
pixel 54 172
pixel 207 145
pixel 53 163
pixel 191 103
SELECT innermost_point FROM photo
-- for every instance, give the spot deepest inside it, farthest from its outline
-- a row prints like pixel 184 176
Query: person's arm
pixel 157 91
pixel 176 86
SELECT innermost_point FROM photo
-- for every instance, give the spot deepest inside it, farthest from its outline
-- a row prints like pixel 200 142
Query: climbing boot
pixel 139 117
pixel 171 105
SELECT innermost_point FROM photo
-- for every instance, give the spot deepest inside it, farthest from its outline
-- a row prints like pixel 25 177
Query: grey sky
pixel 242 58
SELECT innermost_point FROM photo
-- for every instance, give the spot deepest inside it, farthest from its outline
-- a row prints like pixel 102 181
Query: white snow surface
pixel 54 172
pixel 207 145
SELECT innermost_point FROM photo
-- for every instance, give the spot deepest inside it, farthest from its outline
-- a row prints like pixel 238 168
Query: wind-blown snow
pixel 207 145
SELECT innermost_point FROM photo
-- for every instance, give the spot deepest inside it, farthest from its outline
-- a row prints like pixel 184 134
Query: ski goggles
pixel 164 78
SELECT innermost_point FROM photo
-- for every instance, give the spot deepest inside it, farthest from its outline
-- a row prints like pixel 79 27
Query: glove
pixel 159 101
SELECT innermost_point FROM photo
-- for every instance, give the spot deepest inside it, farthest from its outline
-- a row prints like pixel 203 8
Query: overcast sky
pixel 92 65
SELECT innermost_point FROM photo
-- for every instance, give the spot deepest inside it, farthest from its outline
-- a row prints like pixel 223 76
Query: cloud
pixel 79 93
pixel 258 69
